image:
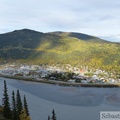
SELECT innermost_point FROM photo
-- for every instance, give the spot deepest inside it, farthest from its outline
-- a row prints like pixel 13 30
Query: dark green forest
pixel 17 110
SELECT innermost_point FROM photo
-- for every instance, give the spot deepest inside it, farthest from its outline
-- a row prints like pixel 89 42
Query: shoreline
pixel 61 83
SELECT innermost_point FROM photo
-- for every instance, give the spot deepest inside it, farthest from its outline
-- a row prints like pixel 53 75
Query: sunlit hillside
pixel 59 47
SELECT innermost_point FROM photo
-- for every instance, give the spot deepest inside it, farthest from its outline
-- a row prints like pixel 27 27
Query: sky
pixel 94 17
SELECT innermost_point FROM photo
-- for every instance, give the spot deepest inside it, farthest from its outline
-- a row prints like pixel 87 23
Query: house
pixel 71 81
pixel 94 77
pixel 112 81
pixel 83 81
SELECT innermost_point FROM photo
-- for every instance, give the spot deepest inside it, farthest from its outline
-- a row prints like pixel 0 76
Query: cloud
pixel 113 38
pixel 89 16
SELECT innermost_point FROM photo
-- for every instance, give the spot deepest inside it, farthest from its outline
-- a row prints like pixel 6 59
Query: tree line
pixel 18 110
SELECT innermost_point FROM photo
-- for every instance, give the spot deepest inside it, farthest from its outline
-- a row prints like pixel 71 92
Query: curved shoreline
pixel 61 83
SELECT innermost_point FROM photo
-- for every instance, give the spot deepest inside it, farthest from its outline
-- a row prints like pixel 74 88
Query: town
pixel 58 73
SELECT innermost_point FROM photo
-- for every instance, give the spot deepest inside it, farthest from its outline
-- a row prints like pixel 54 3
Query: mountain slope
pixel 58 47
pixel 80 36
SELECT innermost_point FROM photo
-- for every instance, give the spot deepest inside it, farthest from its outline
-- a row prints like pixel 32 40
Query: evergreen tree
pixel 14 112
pixel 19 106
pixel 53 115
pixel 6 104
pixel 26 106
pixel 48 117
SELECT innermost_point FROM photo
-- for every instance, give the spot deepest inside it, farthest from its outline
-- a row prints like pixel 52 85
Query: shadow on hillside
pixel 81 36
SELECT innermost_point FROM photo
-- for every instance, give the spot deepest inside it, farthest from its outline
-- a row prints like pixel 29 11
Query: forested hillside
pixel 59 48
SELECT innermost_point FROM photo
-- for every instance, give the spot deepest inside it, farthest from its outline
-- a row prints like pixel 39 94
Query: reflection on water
pixel 73 96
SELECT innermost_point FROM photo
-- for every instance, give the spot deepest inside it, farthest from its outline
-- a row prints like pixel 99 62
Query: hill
pixel 59 47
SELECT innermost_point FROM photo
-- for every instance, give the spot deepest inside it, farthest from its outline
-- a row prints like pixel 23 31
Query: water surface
pixel 79 103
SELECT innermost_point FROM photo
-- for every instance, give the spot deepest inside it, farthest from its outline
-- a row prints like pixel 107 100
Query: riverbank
pixel 63 83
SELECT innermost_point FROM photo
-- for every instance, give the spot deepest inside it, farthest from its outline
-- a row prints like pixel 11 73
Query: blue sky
pixel 95 17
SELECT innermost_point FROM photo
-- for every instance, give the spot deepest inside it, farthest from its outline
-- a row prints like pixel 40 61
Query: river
pixel 69 103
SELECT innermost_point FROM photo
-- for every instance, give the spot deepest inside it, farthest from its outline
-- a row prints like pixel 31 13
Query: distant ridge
pixel 73 34
pixel 76 35
pixel 22 30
